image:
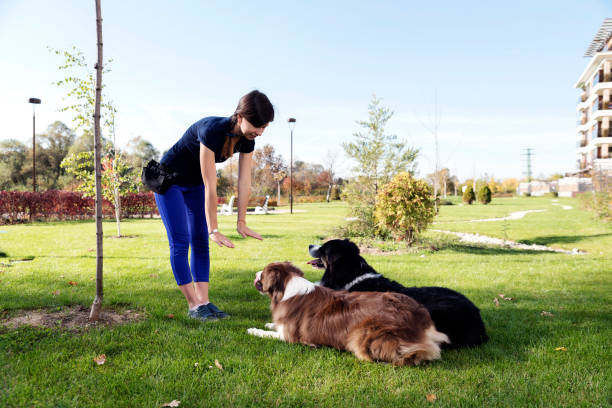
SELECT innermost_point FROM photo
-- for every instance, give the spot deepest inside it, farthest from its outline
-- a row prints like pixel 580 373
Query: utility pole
pixel 528 154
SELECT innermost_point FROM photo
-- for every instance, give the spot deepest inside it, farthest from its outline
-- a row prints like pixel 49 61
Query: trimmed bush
pixel 405 206
pixel 484 195
pixel 468 195
pixel 24 206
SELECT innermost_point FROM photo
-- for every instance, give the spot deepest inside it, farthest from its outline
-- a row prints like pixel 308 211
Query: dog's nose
pixel 313 250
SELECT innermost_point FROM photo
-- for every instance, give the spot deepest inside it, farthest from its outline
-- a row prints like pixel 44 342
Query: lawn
pixel 161 359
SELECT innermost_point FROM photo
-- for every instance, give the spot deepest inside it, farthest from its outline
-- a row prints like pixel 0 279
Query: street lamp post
pixel 34 102
pixel 291 122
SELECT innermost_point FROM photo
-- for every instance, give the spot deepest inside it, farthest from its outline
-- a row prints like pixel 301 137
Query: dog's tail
pixel 427 349
pixel 388 345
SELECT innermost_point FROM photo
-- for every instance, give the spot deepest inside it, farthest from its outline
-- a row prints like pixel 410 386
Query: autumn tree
pixel 269 169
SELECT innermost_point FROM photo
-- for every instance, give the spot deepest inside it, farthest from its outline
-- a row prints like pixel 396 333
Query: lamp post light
pixel 291 122
pixel 34 102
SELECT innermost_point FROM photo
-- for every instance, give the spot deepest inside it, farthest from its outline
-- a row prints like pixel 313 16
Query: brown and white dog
pixel 375 326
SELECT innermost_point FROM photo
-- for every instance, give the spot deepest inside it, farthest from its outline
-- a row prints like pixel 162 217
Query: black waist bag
pixel 156 177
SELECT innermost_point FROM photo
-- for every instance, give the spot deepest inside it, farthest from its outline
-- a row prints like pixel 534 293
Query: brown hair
pixel 256 108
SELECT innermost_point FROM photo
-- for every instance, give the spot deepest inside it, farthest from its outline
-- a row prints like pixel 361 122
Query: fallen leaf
pixel 56 293
pixel 496 302
pixel 92 278
pixel 153 275
pixel 219 366
pixel 170 316
pixel 560 348
pixel 501 295
pixel 90 250
pixel 101 359
pixel 72 283
pixel 173 403
pixel 431 397
pixel 545 313
pixel 61 276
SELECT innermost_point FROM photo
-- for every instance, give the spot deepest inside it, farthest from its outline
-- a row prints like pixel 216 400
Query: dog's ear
pixel 350 246
pixel 271 278
pixel 291 268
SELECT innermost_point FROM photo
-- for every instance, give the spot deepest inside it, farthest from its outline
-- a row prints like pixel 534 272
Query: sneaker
pixel 202 313
pixel 216 312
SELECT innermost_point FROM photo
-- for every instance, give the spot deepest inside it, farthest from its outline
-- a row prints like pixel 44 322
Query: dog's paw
pixel 253 331
pixel 270 326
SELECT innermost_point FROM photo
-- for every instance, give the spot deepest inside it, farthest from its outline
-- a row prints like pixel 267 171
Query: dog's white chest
pixel 297 286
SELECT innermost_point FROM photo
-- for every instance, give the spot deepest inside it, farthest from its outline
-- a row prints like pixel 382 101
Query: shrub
pixel 484 195
pixel 599 203
pixel 405 206
pixel 23 206
pixel 468 195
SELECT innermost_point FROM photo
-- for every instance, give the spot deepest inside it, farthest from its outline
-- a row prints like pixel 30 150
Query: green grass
pixel 153 362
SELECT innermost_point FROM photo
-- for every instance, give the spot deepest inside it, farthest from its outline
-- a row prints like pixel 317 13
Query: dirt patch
pixel 378 251
pixel 72 318
pixel 122 236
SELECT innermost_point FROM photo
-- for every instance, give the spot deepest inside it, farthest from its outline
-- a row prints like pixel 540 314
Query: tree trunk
pixel 96 307
pixel 329 189
pixel 277 193
pixel 118 210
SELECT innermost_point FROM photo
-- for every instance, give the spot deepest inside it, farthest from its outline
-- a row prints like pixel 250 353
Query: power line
pixel 528 153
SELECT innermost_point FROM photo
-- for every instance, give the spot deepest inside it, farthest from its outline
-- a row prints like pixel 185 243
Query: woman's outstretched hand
pixel 221 239
pixel 245 231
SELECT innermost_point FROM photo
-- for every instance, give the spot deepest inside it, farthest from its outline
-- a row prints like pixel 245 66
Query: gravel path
pixel 513 216
pixel 483 239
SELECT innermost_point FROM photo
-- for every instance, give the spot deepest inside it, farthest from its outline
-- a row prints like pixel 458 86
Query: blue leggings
pixel 182 211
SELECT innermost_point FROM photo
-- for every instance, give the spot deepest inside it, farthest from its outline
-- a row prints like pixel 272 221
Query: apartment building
pixel 594 141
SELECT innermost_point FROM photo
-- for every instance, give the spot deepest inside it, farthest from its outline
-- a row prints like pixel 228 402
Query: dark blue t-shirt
pixel 184 157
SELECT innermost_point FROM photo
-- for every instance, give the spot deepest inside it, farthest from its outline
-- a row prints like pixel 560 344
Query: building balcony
pixel 584 127
pixel 598 141
pixel 599 114
pixel 593 66
pixel 595 93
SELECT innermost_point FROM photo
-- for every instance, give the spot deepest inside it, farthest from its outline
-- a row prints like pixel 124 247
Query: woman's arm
pixel 209 176
pixel 244 192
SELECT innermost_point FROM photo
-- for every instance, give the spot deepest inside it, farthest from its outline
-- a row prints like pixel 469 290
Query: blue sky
pixel 503 72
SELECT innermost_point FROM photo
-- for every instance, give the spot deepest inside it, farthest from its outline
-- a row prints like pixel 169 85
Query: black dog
pixel 454 314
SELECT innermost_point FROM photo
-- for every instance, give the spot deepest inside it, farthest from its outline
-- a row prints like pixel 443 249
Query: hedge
pixel 20 206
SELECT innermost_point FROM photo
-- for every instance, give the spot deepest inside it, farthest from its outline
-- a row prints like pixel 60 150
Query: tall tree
pixel 330 160
pixel 378 158
pixel 267 168
pixel 139 152
pixel 13 155
pixel 55 142
pixel 96 307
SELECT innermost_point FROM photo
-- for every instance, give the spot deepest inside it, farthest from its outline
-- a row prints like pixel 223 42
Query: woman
pixel 189 207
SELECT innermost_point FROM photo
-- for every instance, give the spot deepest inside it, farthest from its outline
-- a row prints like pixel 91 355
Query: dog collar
pixel 360 279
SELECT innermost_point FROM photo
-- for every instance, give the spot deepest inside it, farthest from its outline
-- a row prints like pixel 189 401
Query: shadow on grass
pixel 485 250
pixel 235 237
pixel 3 254
pixel 560 239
